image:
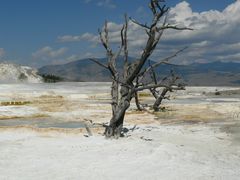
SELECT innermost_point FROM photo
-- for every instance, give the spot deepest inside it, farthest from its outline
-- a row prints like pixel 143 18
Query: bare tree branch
pixel 99 63
pixel 163 61
pixel 153 73
pixel 139 24
pixel 125 44
pixel 173 27
pixel 122 44
pixel 153 36
pixel 155 86
pixel 123 89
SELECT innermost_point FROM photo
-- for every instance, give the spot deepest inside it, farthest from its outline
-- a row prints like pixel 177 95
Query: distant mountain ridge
pixel 209 74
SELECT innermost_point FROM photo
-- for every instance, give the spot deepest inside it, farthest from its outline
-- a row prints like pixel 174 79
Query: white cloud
pixel 215 36
pixel 215 32
pixel 106 3
pixel 47 52
pixel 2 53
pixel 210 24
pixel 103 3
pixel 84 37
pixel 235 57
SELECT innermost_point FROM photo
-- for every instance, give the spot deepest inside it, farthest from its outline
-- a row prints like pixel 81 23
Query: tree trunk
pixel 137 102
pixel 133 70
pixel 116 123
pixel 114 95
pixel 159 99
pixel 154 93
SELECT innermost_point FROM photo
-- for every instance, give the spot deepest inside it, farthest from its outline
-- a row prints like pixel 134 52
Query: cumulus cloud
pixel 48 53
pixel 2 53
pixel 215 36
pixel 103 3
pixel 209 25
pixel 84 37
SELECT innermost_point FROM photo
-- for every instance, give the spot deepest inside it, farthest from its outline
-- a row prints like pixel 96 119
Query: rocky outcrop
pixel 12 73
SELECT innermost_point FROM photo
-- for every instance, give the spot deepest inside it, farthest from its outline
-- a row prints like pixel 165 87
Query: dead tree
pixel 150 70
pixel 124 88
pixel 171 85
pixel 159 95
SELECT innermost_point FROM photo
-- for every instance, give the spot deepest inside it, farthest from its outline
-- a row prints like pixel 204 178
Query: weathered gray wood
pixel 172 85
pixel 137 102
pixel 125 88
pixel 159 99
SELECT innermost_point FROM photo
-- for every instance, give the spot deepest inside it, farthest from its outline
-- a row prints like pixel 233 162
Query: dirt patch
pixel 144 94
pixel 50 103
pixel 188 114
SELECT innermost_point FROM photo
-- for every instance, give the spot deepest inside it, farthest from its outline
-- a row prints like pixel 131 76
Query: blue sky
pixel 31 30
